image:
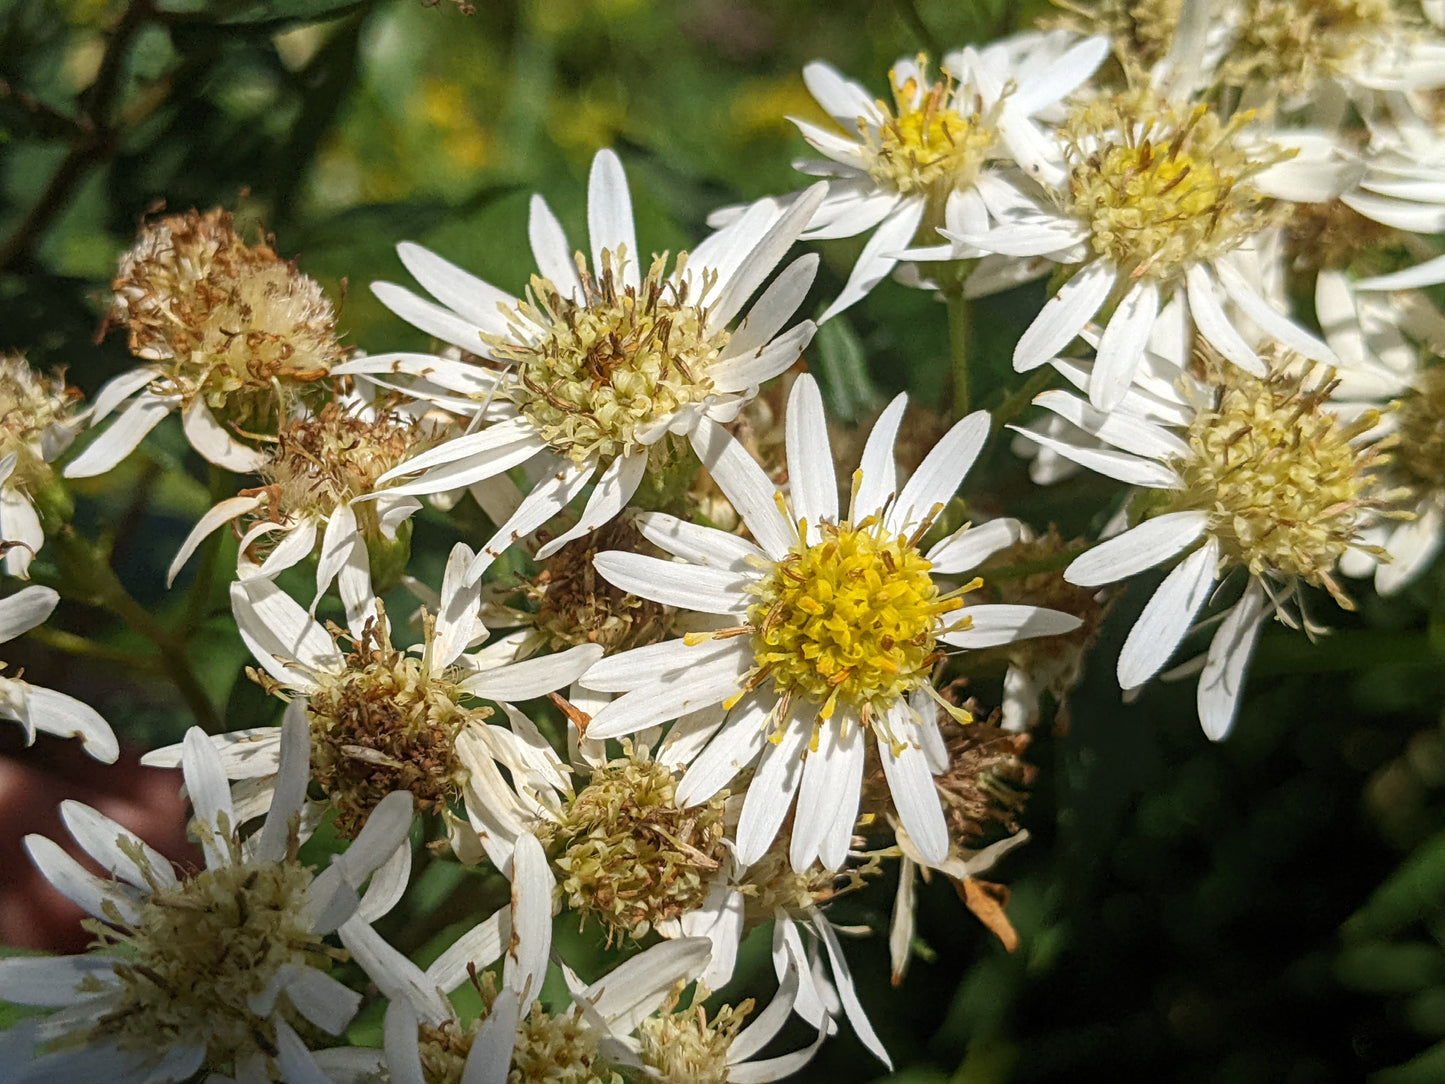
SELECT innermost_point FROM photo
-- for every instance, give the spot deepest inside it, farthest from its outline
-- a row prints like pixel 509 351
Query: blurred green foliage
pixel 1267 909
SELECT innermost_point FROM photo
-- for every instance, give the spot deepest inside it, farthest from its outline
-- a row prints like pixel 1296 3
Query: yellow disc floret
pixel 1420 456
pixel 1286 483
pixel 615 362
pixel 929 146
pixel 201 950
pixel 853 617
pixel 1160 187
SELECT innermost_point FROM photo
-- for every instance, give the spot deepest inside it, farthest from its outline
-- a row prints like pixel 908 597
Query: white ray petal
pixel 770 794
pixel 615 487
pixel 1210 319
pixel 121 438
pixel 994 624
pixel 700 545
pixel 1167 617
pixel 941 472
pixel 1120 465
pixel 1122 347
pixel 1222 680
pixel 1151 543
pixel 690 587
pixel 551 250
pixel 609 217
pixel 547 498
pixel 745 485
pixel 811 481
pixel 436 320
pixel 1065 314
pixel 471 298
pixel 971 546
pixel 880 254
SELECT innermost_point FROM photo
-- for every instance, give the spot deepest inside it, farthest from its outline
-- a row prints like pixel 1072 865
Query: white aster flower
pixel 516 1038
pixel 383 718
pixel 37 423
pixel 840 622
pixel 215 970
pixel 599 366
pixel 320 483
pixel 903 170
pixel 36 708
pixel 231 335
pixel 1242 473
pixel 1163 202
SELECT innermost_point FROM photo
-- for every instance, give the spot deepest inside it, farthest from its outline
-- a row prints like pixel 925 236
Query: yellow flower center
pixel 1160 187
pixel 686 1047
pixel 609 366
pixel 929 146
pixel 201 950
pixel 632 856
pixel 1420 454
pixel 1284 484
pixel 853 618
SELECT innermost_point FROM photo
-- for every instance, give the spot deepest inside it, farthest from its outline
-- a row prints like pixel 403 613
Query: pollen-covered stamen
pixel 631 855
pixel 771 885
pixel 928 146
pixel 201 950
pixel 388 722
pixel 1286 483
pixel 1161 186
pixel 31 407
pixel 686 1047
pixel 853 619
pixel 609 366
pixel 1420 455
pixel 1287 45
pixel 335 456
pixel 231 323
pixel 559 1049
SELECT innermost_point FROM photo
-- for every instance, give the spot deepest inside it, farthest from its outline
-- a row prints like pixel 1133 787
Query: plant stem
pixel 1019 401
pixel 960 332
pixel 86 575
pixel 223 484
pixel 71 644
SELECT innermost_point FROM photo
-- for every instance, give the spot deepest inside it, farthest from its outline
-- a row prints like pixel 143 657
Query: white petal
pixel 66 717
pixel 547 498
pixel 482 945
pixel 294 1060
pixel 690 587
pixel 1270 320
pixel 1214 325
pixel 732 749
pixel 995 624
pixel 210 795
pixel 700 545
pixel 879 255
pixel 767 317
pixel 1151 543
pixel 880 472
pixel 122 437
pixel 469 297
pixel 456 621
pixel 216 445
pixel 100 837
pixel 828 798
pixel 709 683
pixel 437 321
pixel 53 980
pixel 1167 617
pixel 771 792
pixel 609 217
pixel 295 546
pixel 1121 428
pixel 845 101
pixel 28 607
pixel 1429 273
pixel 735 288
pixel 532 884
pixel 745 485
pixel 1223 678
pixel 740 372
pixel 1122 346
pixel 534 677
pixel 615 487
pixel 490 1059
pixel 221 513
pixel 843 978
pixel 551 250
pixel 118 389
pixel 292 774
pixel 91 894
pixel 324 1001
pixel 971 546
pixel 649 664
pixel 811 481
pixel 632 991
pixel 941 472
pixel 272 623
pixel 1120 465
pixel 1065 314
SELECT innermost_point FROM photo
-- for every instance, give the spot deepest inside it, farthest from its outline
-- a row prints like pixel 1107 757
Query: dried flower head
pixel 685 1047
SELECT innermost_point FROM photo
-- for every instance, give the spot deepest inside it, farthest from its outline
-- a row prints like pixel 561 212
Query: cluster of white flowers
pixel 745 723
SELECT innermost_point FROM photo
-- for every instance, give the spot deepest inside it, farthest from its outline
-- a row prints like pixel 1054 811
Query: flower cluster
pixel 691 671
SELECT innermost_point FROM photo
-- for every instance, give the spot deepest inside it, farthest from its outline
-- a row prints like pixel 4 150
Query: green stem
pixel 71 644
pixel 960 332
pixel 1030 568
pixel 1019 401
pixel 86 576
pixel 223 484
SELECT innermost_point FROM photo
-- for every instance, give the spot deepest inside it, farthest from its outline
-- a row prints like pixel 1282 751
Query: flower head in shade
pixel 1237 474
pixel 383 718
pixel 319 489
pixel 925 160
pixel 608 1027
pixel 36 708
pixel 37 422
pixel 601 365
pixel 839 622
pixel 212 970
pixel 1156 218
pixel 231 335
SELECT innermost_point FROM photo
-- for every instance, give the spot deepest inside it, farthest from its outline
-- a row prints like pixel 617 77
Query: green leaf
pixel 1414 891
pixel 842 372
pixel 1383 968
